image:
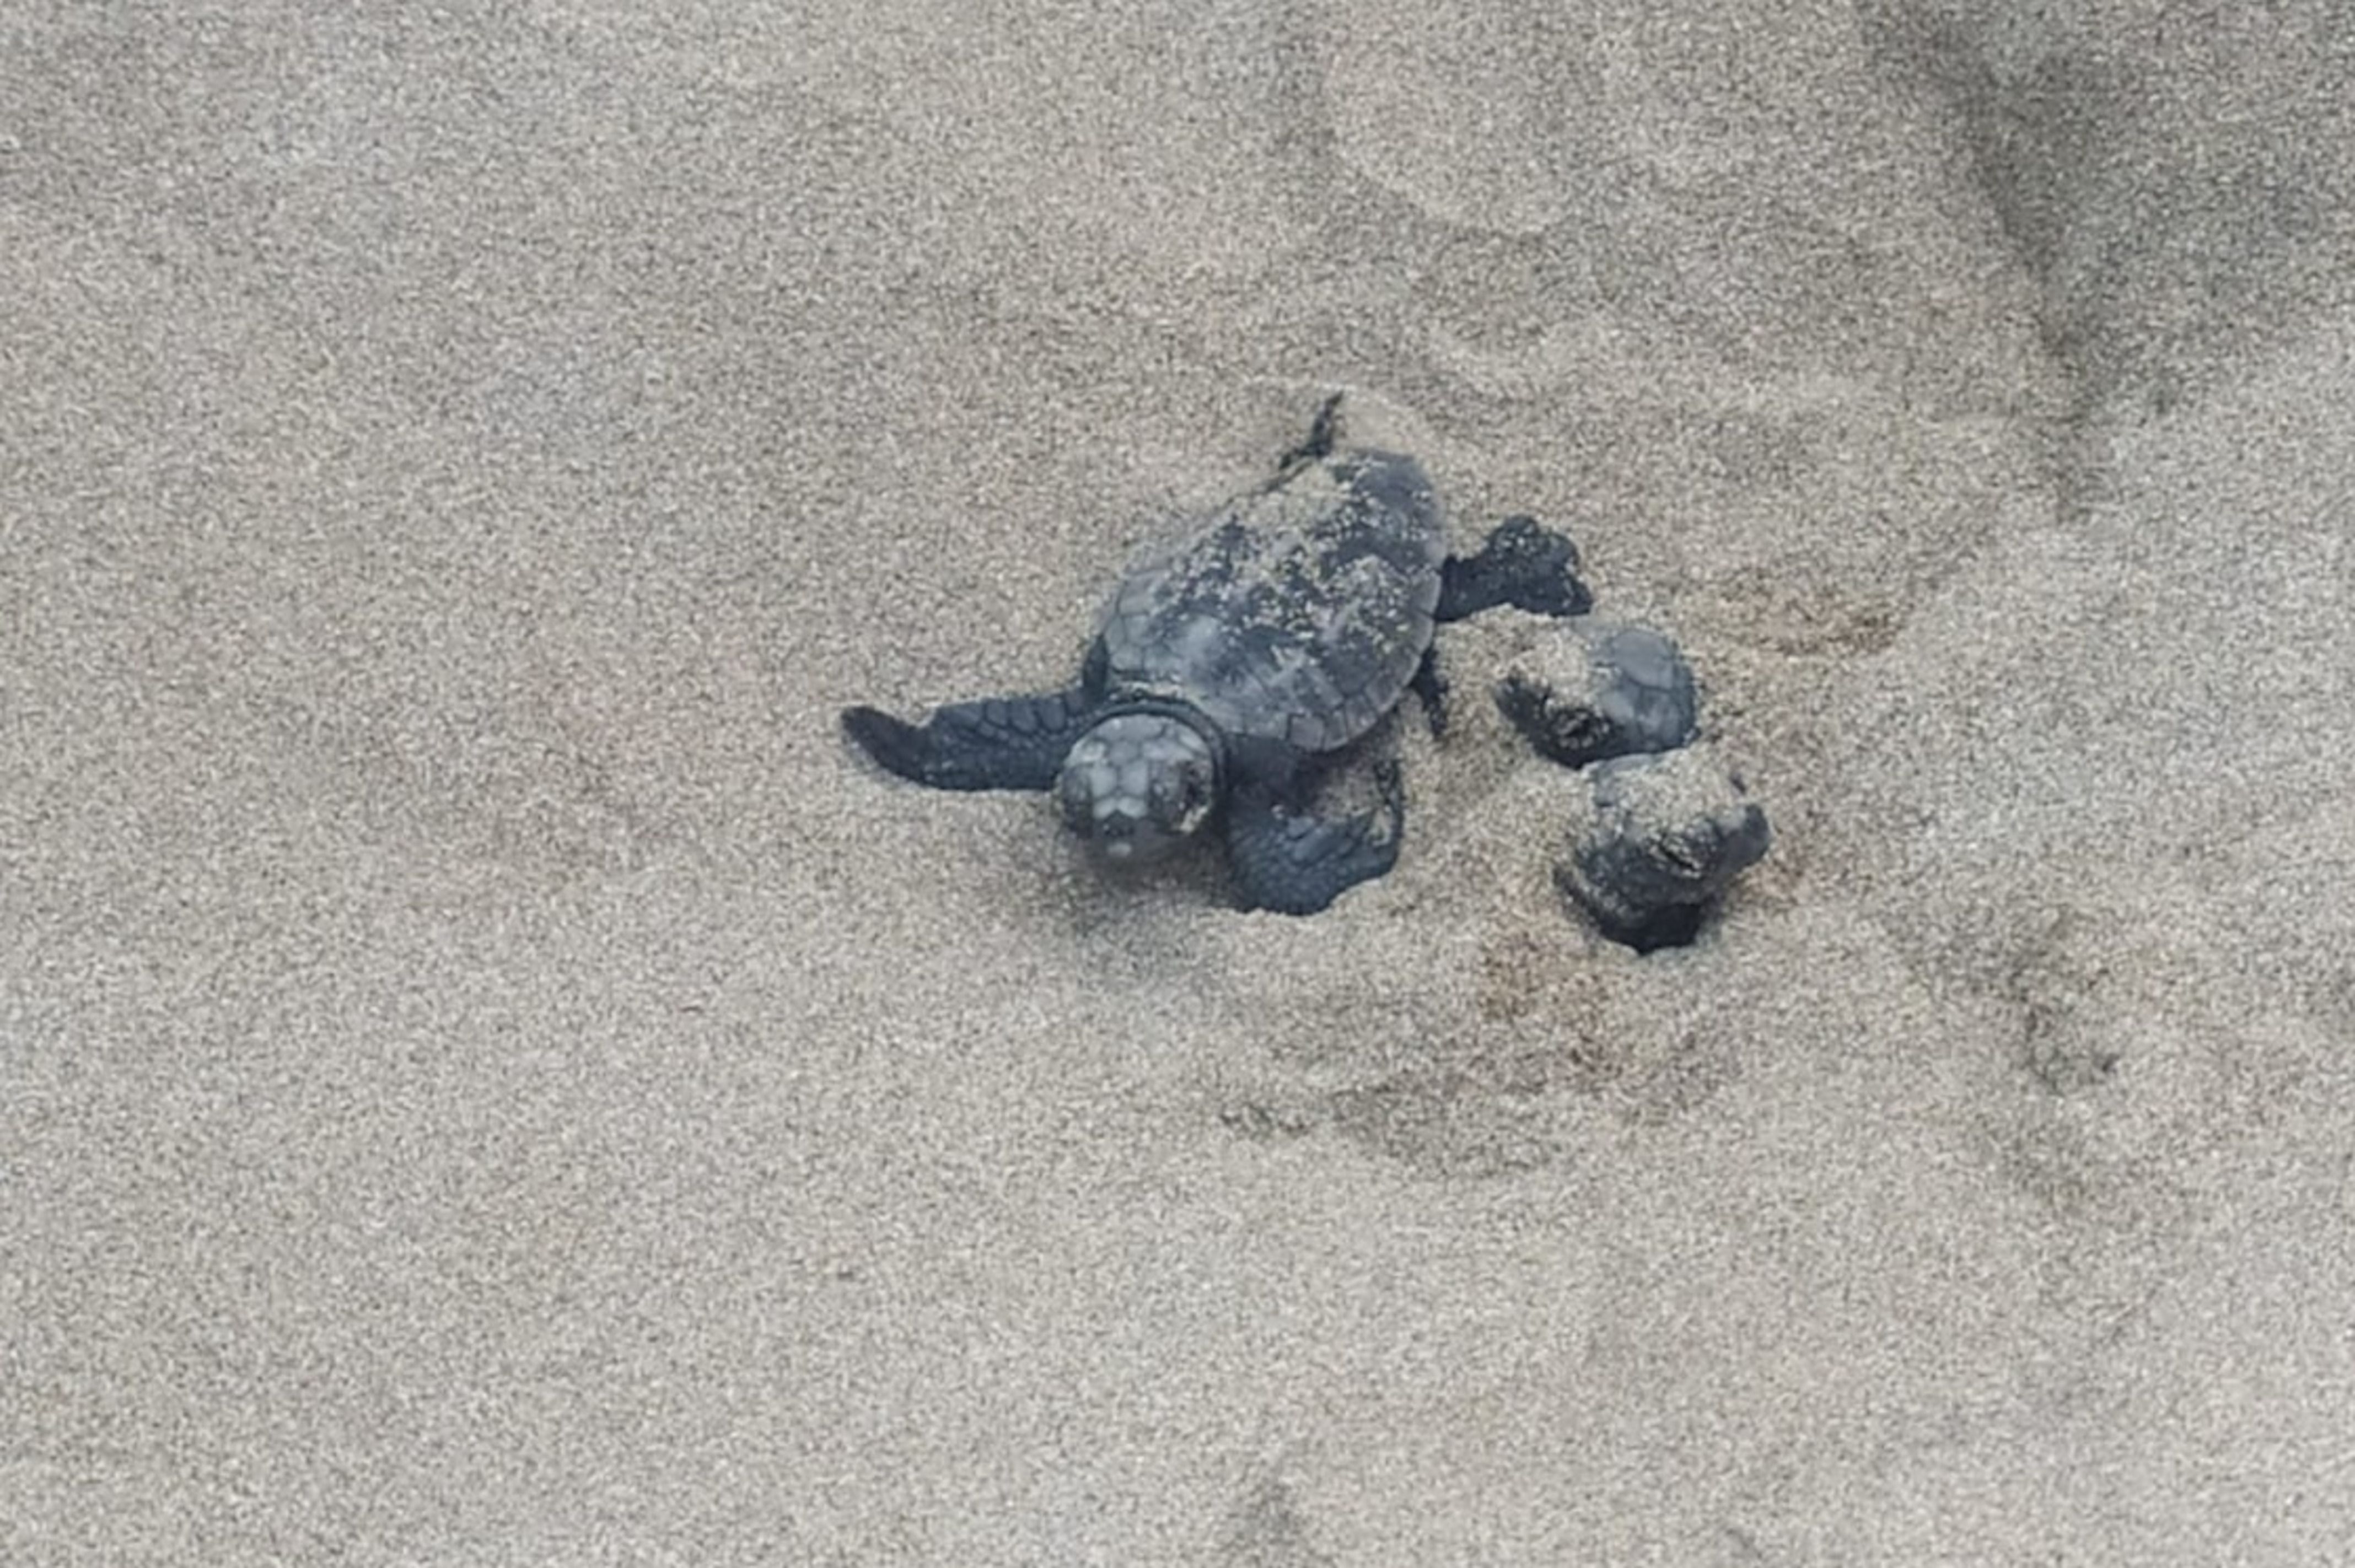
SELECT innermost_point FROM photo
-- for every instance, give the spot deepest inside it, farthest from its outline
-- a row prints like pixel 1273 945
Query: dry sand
pixel 488 1079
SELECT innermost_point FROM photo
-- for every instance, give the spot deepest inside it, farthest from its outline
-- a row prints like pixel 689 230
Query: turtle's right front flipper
pixel 998 742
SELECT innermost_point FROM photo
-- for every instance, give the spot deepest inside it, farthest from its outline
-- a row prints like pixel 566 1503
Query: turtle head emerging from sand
pixel 1138 785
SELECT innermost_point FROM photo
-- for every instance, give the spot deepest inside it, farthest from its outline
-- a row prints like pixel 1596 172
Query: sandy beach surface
pixel 486 1076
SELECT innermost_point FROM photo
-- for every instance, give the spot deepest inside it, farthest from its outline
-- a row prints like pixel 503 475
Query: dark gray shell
pixel 1298 612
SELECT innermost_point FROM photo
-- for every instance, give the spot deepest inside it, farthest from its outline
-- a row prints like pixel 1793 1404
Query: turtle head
pixel 1138 784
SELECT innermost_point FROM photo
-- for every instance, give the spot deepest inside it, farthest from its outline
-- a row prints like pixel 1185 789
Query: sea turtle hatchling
pixel 1227 670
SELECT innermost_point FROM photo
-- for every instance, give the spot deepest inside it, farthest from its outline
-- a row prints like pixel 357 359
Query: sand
pixel 488 1079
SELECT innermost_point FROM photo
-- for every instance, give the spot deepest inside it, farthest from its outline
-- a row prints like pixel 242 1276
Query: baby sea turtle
pixel 1660 836
pixel 1230 668
pixel 1595 690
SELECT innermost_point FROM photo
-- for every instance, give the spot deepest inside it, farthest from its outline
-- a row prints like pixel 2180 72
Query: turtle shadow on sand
pixel 1230 672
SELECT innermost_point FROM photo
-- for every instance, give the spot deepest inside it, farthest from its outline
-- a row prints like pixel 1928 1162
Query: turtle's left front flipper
pixel 998 742
pixel 1290 863
pixel 1523 564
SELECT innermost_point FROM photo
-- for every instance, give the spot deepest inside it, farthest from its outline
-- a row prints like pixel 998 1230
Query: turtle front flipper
pixel 1293 863
pixel 998 742
pixel 1522 565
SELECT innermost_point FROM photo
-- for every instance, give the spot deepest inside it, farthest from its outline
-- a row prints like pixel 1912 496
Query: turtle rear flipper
pixel 997 743
pixel 1322 436
pixel 1290 863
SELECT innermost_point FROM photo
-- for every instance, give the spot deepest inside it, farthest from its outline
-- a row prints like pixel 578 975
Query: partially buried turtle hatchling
pixel 1230 669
